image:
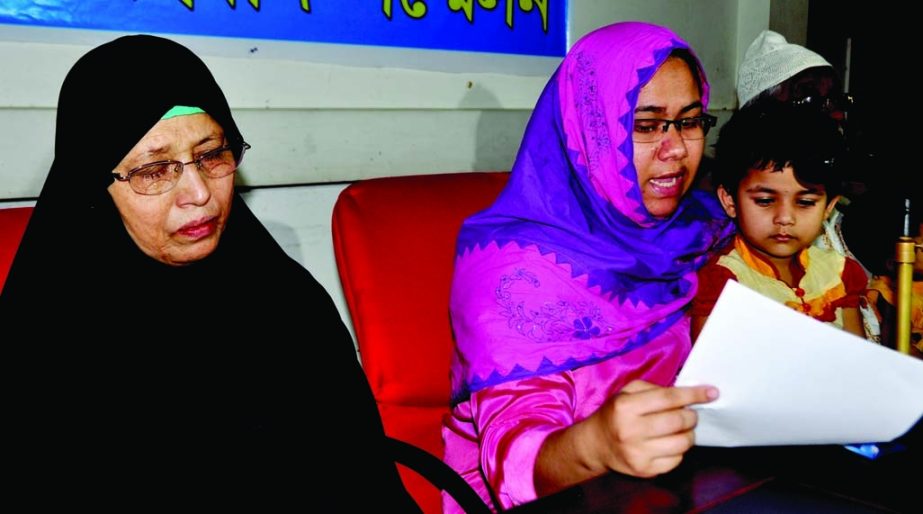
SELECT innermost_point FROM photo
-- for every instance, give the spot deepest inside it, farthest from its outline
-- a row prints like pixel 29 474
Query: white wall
pixel 319 116
pixel 309 120
pixel 709 26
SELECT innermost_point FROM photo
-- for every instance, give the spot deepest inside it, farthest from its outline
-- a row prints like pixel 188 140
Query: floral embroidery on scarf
pixel 622 276
pixel 555 321
pixel 591 110
pixel 584 329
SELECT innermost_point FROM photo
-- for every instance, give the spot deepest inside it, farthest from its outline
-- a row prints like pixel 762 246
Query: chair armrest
pixel 437 473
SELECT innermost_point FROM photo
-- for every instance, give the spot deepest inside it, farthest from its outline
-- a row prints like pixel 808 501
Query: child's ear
pixel 830 205
pixel 727 201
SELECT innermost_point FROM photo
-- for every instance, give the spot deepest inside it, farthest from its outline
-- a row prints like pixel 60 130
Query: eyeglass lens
pixel 160 177
pixel 651 130
pixel 839 102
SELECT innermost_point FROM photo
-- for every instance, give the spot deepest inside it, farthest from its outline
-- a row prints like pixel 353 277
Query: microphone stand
pixel 905 257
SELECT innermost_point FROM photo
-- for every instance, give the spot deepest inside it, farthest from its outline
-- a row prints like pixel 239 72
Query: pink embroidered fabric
pixel 514 418
pixel 567 288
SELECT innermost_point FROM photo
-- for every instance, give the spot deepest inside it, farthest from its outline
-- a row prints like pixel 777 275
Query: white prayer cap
pixel 769 61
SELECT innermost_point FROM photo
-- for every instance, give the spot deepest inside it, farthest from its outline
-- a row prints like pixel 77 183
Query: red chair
pixel 13 223
pixel 394 241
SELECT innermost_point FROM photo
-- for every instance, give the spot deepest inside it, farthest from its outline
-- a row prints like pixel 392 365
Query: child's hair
pixel 781 135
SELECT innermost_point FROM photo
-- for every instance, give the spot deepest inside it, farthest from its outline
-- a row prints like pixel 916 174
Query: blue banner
pixel 531 27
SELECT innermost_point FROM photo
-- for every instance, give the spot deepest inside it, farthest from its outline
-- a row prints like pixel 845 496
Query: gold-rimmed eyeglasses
pixel 156 178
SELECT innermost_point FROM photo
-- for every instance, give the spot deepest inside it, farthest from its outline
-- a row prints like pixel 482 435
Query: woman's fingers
pixel 655 456
pixel 657 425
pixel 652 427
pixel 648 398
pixel 671 422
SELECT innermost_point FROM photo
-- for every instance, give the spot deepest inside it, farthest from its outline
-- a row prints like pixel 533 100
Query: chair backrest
pixel 13 223
pixel 394 242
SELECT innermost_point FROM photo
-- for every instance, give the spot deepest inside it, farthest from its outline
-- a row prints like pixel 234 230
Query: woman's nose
pixel 672 145
pixel 193 187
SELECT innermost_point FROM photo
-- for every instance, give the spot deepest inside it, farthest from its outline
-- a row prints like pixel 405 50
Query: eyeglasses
pixel 652 130
pixel 839 102
pixel 156 178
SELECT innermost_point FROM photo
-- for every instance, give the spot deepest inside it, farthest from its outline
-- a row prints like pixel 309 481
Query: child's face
pixel 775 214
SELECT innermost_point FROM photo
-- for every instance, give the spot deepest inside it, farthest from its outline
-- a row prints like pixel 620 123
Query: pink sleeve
pixel 513 420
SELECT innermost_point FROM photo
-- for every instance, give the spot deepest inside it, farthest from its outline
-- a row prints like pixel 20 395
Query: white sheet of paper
pixel 785 378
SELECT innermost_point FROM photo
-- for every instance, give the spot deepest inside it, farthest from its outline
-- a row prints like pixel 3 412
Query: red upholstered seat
pixel 13 223
pixel 394 240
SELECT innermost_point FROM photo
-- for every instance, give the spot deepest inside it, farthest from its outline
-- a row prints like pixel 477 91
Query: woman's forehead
pixel 178 133
pixel 672 82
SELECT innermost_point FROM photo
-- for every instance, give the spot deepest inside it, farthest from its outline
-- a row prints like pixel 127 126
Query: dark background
pixel 884 122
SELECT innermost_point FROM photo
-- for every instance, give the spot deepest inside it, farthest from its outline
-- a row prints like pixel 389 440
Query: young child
pixel 776 71
pixel 778 174
pixel 876 221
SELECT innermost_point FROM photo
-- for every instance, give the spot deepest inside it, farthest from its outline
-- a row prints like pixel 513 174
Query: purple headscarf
pixel 567 267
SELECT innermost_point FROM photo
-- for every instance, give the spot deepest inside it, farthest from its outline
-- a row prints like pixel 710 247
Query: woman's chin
pixel 189 253
pixel 662 207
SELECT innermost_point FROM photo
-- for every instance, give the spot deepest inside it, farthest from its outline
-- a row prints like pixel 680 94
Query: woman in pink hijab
pixel 570 294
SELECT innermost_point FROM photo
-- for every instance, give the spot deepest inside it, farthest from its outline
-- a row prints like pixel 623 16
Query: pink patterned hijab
pixel 567 268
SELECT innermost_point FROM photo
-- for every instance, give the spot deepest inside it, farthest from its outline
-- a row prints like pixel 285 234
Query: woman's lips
pixel 667 185
pixel 199 229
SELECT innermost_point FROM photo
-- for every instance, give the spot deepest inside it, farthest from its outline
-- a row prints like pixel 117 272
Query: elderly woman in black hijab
pixel 193 346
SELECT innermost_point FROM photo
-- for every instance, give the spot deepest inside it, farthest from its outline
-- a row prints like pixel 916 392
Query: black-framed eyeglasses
pixel 156 178
pixel 837 102
pixel 652 130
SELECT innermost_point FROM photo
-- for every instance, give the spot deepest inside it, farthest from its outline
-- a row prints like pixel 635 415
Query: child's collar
pixel 763 265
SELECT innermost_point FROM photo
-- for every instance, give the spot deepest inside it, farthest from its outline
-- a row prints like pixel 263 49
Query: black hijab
pixel 236 369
